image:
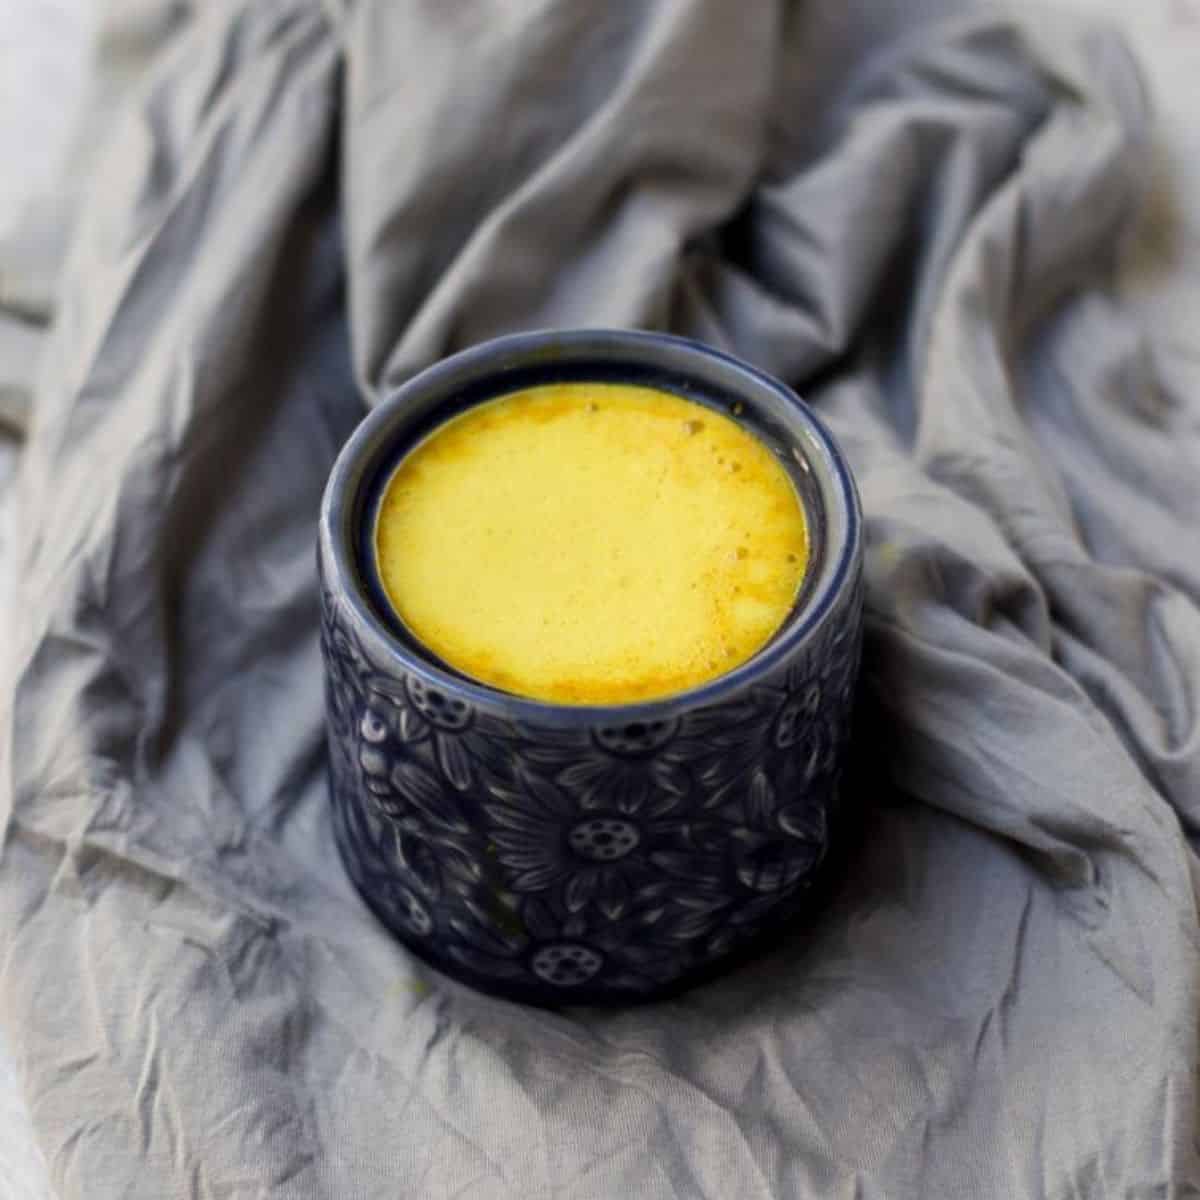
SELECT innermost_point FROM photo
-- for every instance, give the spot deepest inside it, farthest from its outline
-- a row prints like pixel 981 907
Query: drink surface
pixel 591 543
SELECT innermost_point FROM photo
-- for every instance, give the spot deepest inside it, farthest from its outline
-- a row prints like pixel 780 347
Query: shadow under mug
pixel 562 854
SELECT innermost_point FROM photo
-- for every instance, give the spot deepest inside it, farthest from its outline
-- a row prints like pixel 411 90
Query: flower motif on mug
pixel 345 667
pixel 527 939
pixel 734 867
pixel 629 769
pixel 764 861
pixel 403 715
pixel 550 839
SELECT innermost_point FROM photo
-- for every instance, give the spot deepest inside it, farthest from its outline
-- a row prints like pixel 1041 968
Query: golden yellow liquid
pixel 591 543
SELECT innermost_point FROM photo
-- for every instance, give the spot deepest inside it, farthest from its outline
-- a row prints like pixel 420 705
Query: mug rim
pixel 635 346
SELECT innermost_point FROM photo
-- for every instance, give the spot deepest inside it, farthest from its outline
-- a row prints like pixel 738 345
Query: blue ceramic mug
pixel 566 854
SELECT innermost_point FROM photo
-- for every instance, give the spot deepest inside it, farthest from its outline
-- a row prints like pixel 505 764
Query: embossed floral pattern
pixel 593 861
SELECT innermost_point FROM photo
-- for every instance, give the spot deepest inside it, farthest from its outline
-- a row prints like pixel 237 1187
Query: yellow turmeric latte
pixel 591 543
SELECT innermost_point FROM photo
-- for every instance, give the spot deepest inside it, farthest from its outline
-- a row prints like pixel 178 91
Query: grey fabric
pixel 913 225
pixel 87 55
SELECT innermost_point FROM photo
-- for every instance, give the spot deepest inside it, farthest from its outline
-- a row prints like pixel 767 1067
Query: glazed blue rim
pixel 349 479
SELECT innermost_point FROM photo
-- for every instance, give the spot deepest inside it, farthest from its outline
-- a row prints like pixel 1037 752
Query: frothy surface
pixel 591 543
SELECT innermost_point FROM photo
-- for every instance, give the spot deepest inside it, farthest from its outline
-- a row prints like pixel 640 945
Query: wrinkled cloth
pixel 86 55
pixel 307 203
